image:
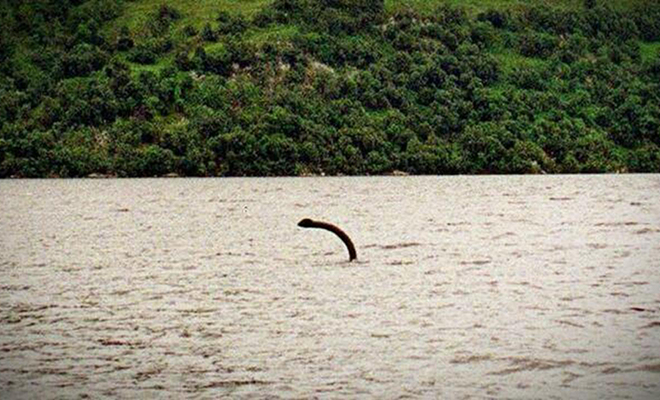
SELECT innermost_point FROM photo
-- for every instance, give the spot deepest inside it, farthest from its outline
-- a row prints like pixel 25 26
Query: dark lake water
pixel 465 287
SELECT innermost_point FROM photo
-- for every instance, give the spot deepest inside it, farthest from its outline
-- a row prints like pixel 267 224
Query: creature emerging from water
pixel 308 223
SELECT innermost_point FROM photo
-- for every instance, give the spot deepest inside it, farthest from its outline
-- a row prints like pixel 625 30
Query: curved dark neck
pixel 352 254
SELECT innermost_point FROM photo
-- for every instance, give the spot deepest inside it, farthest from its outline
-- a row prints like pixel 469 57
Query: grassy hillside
pixel 194 12
pixel 199 12
pixel 476 6
pixel 294 87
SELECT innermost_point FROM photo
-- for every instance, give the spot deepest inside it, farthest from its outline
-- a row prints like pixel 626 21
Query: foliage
pixel 292 87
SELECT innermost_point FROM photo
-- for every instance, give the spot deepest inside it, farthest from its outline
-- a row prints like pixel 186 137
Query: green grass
pixel 476 6
pixel 199 12
pixel 273 34
pixel 509 60
pixel 649 51
pixel 160 64
pixel 194 12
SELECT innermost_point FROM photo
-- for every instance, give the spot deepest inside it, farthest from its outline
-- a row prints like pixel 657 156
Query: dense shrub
pixel 499 19
pixel 535 44
pixel 229 24
pixel 124 41
pixel 147 51
pixel 83 60
pixel 647 19
pixel 161 20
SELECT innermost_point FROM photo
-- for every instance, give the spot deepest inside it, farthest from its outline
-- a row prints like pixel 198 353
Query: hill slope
pixel 294 87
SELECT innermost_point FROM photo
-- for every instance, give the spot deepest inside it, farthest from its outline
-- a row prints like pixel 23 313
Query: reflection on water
pixel 517 287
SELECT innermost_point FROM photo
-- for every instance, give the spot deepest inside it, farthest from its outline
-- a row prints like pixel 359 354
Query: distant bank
pixel 318 87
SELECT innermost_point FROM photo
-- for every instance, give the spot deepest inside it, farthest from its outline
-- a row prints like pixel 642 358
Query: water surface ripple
pixel 465 287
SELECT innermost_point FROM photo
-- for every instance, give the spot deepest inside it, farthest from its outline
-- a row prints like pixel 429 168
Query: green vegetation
pixel 296 87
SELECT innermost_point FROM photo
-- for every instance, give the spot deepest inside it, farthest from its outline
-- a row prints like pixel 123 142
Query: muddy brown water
pixel 465 287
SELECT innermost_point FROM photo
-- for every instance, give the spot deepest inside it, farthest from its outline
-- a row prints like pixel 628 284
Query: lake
pixel 464 287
